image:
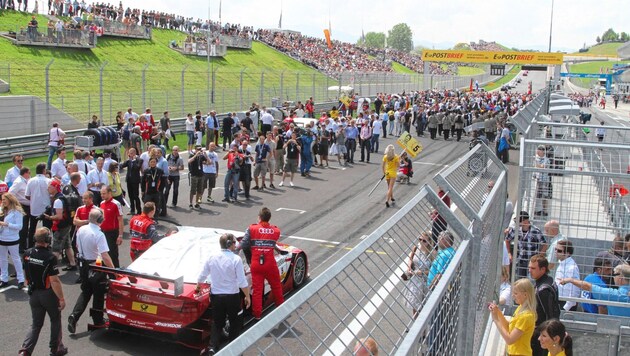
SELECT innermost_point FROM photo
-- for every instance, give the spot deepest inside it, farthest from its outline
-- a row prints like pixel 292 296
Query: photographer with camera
pixel 234 163
pixel 45 293
pixel 61 217
pixel 195 170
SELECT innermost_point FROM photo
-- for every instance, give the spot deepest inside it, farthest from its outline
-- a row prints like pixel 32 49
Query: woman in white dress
pixel 418 265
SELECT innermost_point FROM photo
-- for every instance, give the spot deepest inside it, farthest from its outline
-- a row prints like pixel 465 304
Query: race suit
pixel 261 240
pixel 143 235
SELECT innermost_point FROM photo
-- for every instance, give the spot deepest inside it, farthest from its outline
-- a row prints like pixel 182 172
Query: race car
pixel 155 295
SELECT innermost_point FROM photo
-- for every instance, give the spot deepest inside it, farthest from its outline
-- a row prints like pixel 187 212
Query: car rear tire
pixel 299 271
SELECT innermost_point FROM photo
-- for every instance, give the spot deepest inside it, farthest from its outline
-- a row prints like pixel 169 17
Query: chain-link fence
pixel 433 306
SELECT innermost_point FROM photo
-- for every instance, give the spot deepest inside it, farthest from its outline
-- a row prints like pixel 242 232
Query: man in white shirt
pixel 552 232
pixel 567 268
pixel 107 160
pixel 37 193
pixel 131 114
pixel 210 168
pixel 58 168
pixel 97 178
pixel 14 171
pixel 56 138
pixel 18 189
pixel 377 127
pixel 267 121
pixel 73 167
pixel 227 276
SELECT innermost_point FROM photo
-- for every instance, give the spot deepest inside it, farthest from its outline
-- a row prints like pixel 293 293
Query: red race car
pixel 155 295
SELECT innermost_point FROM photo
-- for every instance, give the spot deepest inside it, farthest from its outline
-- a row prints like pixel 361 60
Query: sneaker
pixel 291 184
pixel 21 285
pixel 61 351
pixel 190 206
pixel 281 184
pixel 256 188
pixel 4 284
pixel 208 351
pixel 225 200
pixel 272 186
pixel 210 200
pixel 197 206
pixel 72 324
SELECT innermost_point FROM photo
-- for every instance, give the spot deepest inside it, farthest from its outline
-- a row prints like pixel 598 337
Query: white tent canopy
pixel 564 110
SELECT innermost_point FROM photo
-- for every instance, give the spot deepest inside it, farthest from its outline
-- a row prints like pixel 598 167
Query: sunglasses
pixel 616 274
pixel 424 241
pixel 560 251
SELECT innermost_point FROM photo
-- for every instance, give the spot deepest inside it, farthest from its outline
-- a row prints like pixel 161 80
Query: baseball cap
pixel 57 184
pixel 523 215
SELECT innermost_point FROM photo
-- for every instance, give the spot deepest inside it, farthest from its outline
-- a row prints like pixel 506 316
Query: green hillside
pixel 607 49
pixel 399 68
pixel 591 67
pixel 75 72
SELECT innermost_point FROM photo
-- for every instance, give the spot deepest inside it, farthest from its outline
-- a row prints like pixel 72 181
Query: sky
pixel 523 24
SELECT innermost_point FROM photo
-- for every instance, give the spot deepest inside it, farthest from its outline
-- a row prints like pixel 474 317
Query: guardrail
pixel 36 145
pixel 52 38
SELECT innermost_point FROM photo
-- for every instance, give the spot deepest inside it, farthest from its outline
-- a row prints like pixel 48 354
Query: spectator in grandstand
pixel 518 332
pixel 530 242
pixel 567 268
pixel 553 235
pixel 615 254
pixel 418 265
pixel 546 294
pixel 621 277
pixel 56 139
pixel 555 339
pixel 444 256
pixel 601 270
pixel 366 347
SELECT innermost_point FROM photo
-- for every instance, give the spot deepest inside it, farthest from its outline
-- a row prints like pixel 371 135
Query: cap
pixel 57 184
pixel 523 215
pixel 541 148
pixel 198 146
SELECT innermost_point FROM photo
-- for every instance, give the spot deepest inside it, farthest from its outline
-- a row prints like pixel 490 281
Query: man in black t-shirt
pixel 45 293
pixel 248 124
pixel 292 148
pixel 165 124
pixel 226 130
pixel 195 169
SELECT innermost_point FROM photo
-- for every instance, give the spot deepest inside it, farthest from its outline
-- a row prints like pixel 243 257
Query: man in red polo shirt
pixel 83 212
pixel 259 245
pixel 143 232
pixel 113 225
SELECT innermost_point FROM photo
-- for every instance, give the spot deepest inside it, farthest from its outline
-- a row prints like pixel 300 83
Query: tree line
pixel 611 36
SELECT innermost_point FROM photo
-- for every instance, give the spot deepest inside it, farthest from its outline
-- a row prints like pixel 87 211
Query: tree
pixel 624 37
pixel 598 40
pixel 400 37
pixel 610 35
pixel 372 40
pixel 462 46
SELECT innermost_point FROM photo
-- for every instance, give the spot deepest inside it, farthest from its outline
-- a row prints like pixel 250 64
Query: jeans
pixel 391 127
pixel 306 162
pixel 230 177
pixel 12 250
pixel 385 129
pixel 51 154
pixel 374 143
pixel 173 181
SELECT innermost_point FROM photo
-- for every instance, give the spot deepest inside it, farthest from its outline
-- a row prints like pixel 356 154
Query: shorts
pixel 291 165
pixel 209 180
pixel 61 239
pixel 271 165
pixel 261 169
pixel 196 185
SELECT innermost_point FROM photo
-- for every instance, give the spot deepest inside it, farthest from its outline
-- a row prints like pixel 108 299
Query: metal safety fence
pixel 119 29
pixel 65 38
pixel 433 307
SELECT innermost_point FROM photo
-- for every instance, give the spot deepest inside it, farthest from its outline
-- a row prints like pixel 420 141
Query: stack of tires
pixel 103 136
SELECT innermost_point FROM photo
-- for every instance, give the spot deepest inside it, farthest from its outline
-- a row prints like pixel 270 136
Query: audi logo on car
pixel 265 230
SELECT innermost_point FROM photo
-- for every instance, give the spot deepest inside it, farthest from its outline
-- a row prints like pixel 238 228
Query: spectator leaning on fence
pixel 621 277
pixel 567 268
pixel 530 241
pixel 601 268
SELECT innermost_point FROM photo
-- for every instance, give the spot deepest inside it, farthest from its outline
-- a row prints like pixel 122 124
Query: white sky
pixel 515 23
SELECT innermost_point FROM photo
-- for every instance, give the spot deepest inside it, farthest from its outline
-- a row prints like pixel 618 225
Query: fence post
pixel 281 86
pixel 214 78
pixel 89 105
pixel 183 97
pixel 100 94
pixel 262 87
pixel 297 87
pixel 144 86
pixel 33 120
pixel 339 89
pixel 110 108
pixel 48 93
pixel 313 89
pixel 9 76
pixel 241 87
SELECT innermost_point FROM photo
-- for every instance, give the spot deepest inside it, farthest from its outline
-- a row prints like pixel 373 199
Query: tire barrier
pixel 103 136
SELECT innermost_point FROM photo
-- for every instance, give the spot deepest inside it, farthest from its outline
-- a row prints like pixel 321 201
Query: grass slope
pixel 399 68
pixel 76 71
pixel 593 68
pixel 608 49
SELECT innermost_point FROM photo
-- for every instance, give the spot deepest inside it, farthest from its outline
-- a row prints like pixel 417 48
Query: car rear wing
pixel 165 283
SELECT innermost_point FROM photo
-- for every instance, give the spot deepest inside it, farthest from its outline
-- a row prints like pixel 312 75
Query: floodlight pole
pixel 551 25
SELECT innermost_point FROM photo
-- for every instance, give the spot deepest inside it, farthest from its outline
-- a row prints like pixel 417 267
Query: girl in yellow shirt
pixel 113 176
pixel 518 332
pixel 554 338
pixel 391 161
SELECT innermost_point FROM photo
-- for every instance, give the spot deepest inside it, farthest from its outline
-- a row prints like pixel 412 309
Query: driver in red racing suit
pixel 143 232
pixel 259 244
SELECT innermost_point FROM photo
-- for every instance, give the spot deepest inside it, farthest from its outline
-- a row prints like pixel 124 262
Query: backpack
pixel 67 213
pixel 126 133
